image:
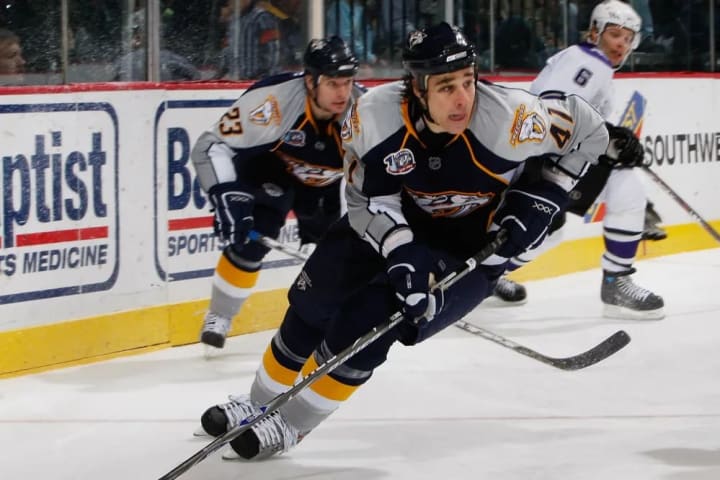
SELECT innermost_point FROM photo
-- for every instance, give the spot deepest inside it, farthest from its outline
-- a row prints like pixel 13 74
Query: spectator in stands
pixel 252 48
pixel 347 19
pixel 397 19
pixel 12 63
pixel 291 38
pixel 517 47
pixel 133 65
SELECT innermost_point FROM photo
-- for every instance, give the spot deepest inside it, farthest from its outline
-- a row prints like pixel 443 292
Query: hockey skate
pixel 215 329
pixel 220 418
pixel 510 292
pixel 624 299
pixel 271 435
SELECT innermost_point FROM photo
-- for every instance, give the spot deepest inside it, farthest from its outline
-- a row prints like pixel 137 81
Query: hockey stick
pixel 683 204
pixel 633 118
pixel 328 366
pixel 275 245
pixel 599 352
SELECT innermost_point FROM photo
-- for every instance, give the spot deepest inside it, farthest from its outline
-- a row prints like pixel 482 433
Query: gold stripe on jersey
pixel 309 115
pixel 235 276
pixel 482 167
pixel 277 372
pixel 405 113
pixel 327 386
pixel 410 127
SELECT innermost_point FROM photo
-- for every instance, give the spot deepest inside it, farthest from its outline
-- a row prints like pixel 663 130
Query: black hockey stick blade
pixel 598 353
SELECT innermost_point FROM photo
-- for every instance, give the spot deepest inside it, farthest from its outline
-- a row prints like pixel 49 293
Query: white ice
pixel 455 407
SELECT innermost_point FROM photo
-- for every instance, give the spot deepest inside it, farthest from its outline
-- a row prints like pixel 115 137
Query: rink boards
pixel 105 236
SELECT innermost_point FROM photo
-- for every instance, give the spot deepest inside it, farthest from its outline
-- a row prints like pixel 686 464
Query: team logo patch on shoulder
pixel 351 124
pixel 527 127
pixel 400 163
pixel 267 113
pixel 295 138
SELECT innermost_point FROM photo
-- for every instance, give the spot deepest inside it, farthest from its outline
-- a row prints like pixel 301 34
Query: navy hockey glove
pixel 409 267
pixel 625 150
pixel 233 212
pixel 526 214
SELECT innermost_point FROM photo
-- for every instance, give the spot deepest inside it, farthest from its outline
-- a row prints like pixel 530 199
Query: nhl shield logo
pixel 435 163
pixel 400 162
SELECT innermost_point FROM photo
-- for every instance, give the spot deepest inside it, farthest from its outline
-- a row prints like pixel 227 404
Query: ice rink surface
pixel 455 407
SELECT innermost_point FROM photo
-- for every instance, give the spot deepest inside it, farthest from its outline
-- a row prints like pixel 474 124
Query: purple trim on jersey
pixel 593 51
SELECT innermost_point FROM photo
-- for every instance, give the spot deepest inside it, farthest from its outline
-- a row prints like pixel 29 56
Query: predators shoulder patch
pixel 527 127
pixel 266 113
pixel 351 124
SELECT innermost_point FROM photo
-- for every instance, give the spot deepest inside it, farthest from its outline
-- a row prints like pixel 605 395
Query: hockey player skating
pixel 427 162
pixel 277 148
pixel 587 70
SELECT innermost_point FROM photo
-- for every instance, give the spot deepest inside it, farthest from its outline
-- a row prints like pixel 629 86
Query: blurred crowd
pixel 106 40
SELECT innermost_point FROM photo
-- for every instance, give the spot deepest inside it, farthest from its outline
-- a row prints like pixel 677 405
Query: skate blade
pixel 210 352
pixel 200 432
pixel 495 301
pixel 622 313
pixel 230 455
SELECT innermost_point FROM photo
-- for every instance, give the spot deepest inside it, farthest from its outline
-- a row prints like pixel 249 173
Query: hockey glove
pixel 233 212
pixel 409 268
pixel 625 150
pixel 526 214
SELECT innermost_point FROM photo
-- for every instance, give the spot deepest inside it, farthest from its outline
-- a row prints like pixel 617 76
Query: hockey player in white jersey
pixel 277 148
pixel 434 167
pixel 587 70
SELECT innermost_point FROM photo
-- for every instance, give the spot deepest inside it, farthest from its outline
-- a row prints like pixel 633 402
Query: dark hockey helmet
pixel 331 57
pixel 440 48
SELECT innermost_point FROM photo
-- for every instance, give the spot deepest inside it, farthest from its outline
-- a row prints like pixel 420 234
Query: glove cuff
pixel 397 238
pixel 218 189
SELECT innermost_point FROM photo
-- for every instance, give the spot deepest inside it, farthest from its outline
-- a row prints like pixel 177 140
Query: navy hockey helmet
pixel 440 48
pixel 331 57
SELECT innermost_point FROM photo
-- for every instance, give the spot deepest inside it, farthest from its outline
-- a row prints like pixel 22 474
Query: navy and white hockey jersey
pixel 396 177
pixel 273 115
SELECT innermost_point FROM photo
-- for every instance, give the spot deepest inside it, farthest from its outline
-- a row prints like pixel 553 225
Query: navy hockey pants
pixel 343 292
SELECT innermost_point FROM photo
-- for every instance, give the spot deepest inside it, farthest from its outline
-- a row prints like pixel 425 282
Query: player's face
pixel 615 42
pixel 450 98
pixel 11 59
pixel 332 95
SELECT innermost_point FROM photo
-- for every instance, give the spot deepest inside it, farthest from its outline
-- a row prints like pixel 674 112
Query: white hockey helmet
pixel 617 13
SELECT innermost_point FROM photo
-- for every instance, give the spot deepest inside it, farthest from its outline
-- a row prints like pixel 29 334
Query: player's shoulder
pixel 388 93
pixel 274 100
pixel 379 108
pixel 588 53
pixel 500 100
pixel 375 115
pixel 507 117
